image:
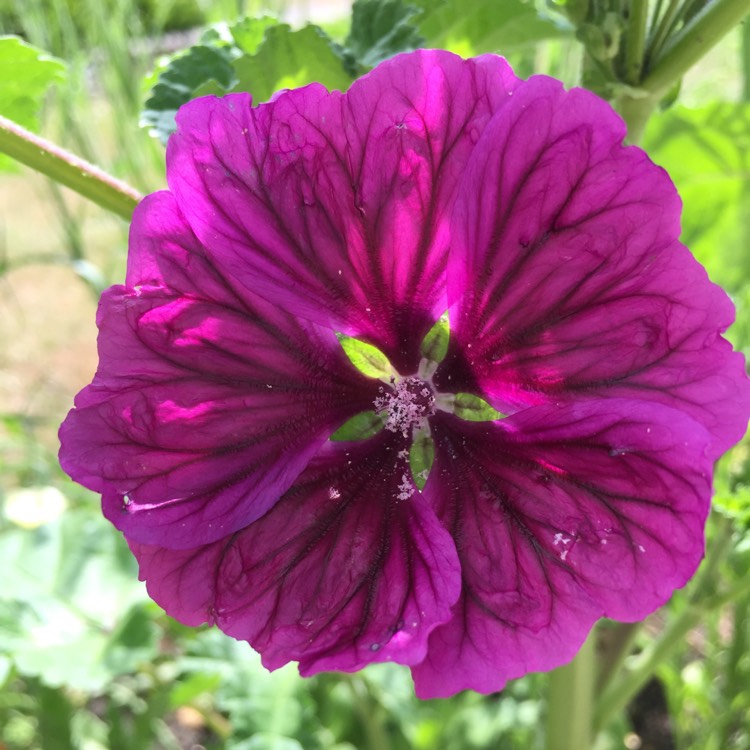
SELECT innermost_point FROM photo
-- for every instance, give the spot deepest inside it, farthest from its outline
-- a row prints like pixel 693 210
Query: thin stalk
pixel 655 15
pixel 377 737
pixel 745 62
pixel 615 645
pixel 570 701
pixel 622 691
pixel 662 30
pixel 693 41
pixel 697 37
pixel 734 677
pixel 67 169
pixel 635 41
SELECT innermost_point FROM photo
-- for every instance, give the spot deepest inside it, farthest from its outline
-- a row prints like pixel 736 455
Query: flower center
pixel 409 402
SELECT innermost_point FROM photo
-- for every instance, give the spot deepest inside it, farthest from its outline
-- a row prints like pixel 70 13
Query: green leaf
pixel 435 344
pixel 470 27
pixel 381 29
pixel 254 700
pixel 256 55
pixel 134 642
pixel 71 583
pixel 248 33
pixel 362 426
pixel 707 154
pixel 421 457
pixel 197 68
pixel 55 719
pixel 368 359
pixel 190 689
pixel 26 75
pixel 287 59
pixel 474 409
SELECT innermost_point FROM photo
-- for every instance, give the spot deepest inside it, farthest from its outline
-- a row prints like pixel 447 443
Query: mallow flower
pixel 419 372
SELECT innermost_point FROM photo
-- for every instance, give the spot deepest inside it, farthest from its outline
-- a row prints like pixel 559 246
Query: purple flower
pixel 582 333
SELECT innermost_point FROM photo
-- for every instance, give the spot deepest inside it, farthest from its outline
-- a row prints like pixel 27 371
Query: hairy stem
pixel 67 169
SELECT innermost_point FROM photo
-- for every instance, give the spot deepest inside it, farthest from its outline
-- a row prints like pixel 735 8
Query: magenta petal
pixel 561 515
pixel 205 408
pixel 350 567
pixel 567 277
pixel 335 205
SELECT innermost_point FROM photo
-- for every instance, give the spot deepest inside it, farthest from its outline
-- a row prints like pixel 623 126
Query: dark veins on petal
pixel 350 567
pixel 206 405
pixel 336 206
pixel 568 277
pixel 561 515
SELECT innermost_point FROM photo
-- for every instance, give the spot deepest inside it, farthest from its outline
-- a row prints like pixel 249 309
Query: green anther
pixel 474 409
pixel 435 344
pixel 368 359
pixel 362 426
pixel 421 456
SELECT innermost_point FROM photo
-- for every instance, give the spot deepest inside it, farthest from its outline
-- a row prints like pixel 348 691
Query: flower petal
pixel 334 205
pixel 205 407
pixel 350 567
pixel 561 515
pixel 567 277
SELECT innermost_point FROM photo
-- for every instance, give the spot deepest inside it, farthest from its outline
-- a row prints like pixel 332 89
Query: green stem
pixel 67 169
pixel 366 709
pixel 661 31
pixel 635 43
pixel 746 62
pixel 705 30
pixel 614 646
pixel 621 692
pixel 570 701
pixel 636 110
pixel 692 42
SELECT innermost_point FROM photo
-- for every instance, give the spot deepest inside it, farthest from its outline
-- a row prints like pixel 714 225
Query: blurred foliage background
pixel 86 660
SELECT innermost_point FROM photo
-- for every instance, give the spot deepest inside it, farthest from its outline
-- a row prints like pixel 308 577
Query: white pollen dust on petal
pixel 405 489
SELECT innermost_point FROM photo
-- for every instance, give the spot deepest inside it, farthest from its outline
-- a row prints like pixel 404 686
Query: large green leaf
pixel 470 27
pixel 257 55
pixel 205 67
pixel 707 153
pixel 26 74
pixel 288 59
pixel 381 29
pixel 72 586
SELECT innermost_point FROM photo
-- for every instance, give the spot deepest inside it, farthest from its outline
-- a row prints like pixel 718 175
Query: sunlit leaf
pixel 381 29
pixel 288 59
pixel 71 584
pixel 197 68
pixel 26 74
pixel 707 154
pixel 474 26
pixel 248 33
